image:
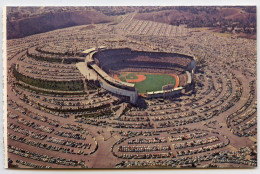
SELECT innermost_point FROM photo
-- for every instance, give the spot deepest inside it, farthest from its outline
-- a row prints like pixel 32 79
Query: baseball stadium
pixel 131 73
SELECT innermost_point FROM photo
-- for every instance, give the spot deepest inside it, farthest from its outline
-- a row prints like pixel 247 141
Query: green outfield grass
pixel 153 82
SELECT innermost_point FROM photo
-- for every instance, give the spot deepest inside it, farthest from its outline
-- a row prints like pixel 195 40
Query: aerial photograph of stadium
pixel 130 87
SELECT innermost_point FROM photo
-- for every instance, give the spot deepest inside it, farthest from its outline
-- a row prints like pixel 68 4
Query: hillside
pixel 53 20
pixel 186 16
pixel 242 19
pixel 25 21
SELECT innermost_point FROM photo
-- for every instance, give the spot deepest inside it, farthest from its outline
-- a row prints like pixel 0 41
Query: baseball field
pixel 147 82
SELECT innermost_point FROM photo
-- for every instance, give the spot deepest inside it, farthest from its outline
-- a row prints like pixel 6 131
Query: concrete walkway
pixel 86 72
